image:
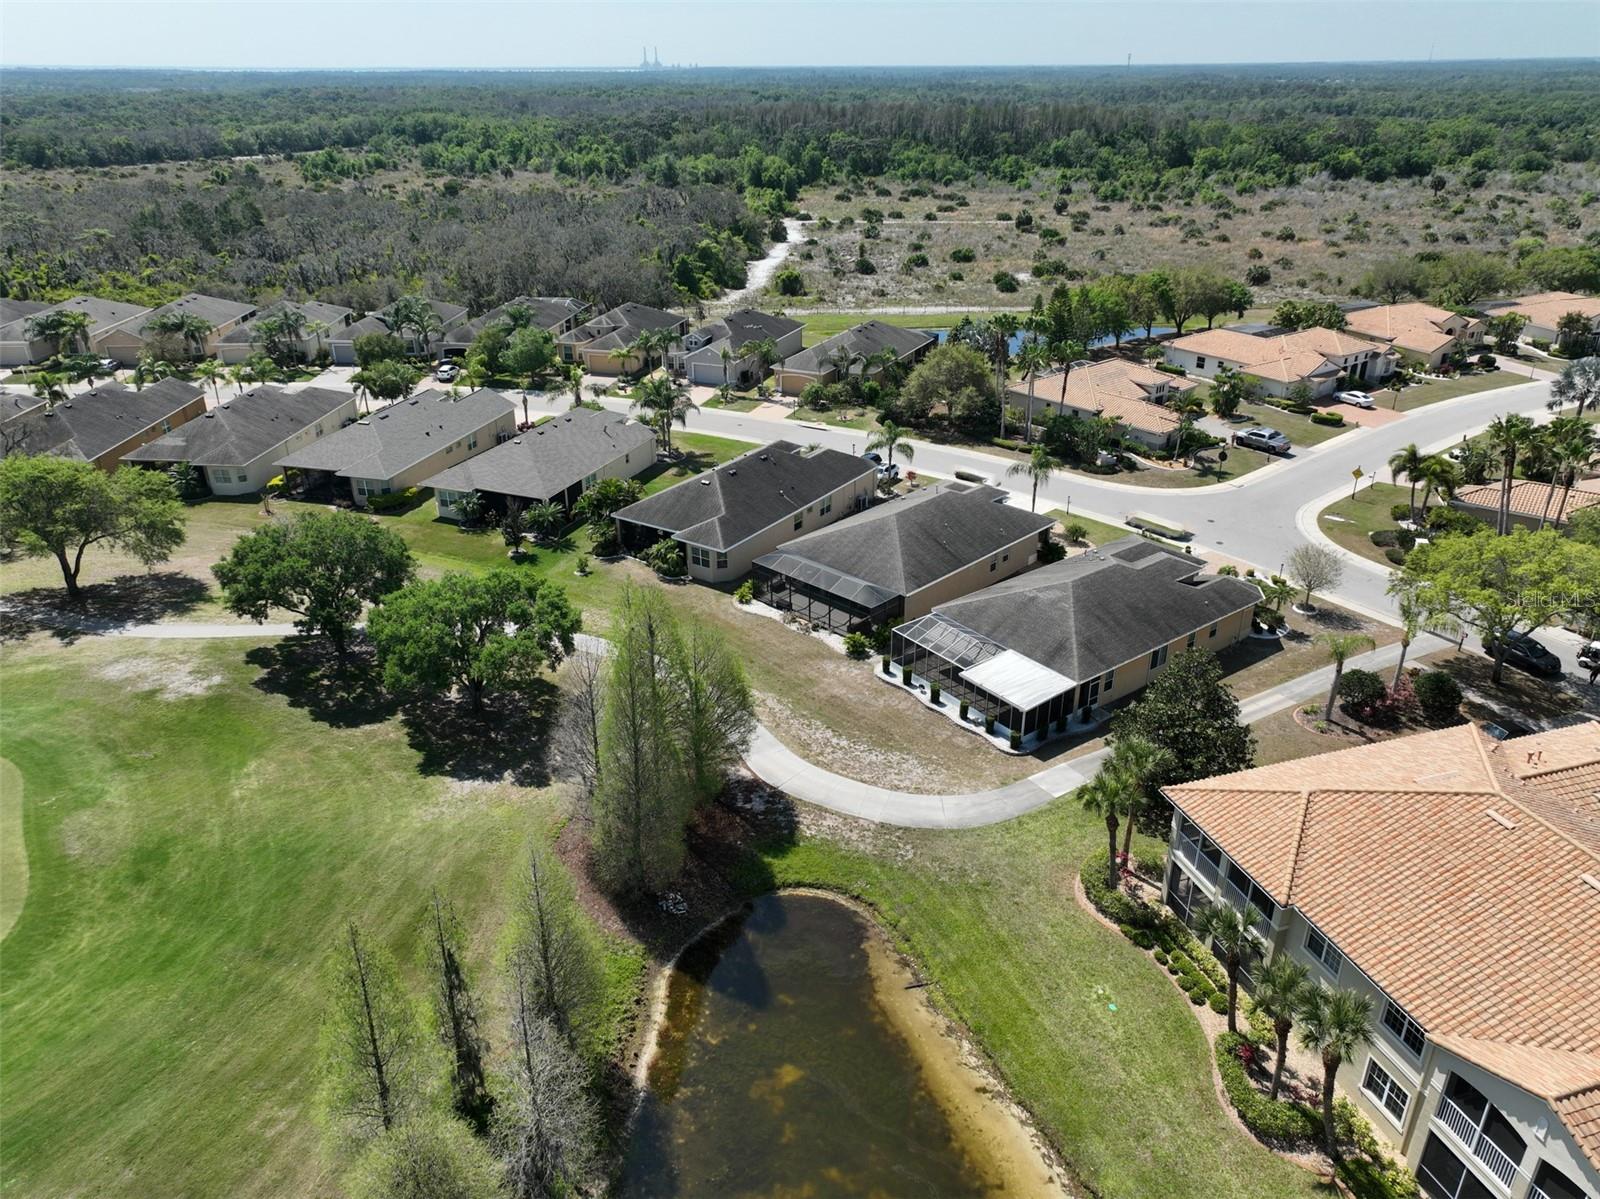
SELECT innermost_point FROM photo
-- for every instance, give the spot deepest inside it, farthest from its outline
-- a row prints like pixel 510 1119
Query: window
pixel 1213 631
pixel 1189 644
pixel 1158 659
pixel 590 480
pixel 1105 683
pixel 825 507
pixel 472 442
pixel 166 426
pixel 1006 557
pixel 1406 1030
pixel 1381 1086
pixel 700 556
pixel 994 565
pixel 627 458
pixel 1444 1177
pixel 243 478
pixel 1322 949
pixel 799 520
pixel 722 561
pixel 221 474
pixel 1200 363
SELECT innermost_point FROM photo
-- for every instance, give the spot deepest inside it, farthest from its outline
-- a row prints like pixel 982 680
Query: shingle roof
pixel 1461 874
pixel 241 429
pixel 15 310
pixel 548 312
pixel 621 324
pixel 720 508
pixel 1091 613
pixel 739 328
pixel 15 403
pixel 544 461
pixel 382 445
pixel 313 310
pixel 103 315
pixel 377 322
pixel 862 341
pixel 901 546
pixel 1528 497
pixel 1115 388
pixel 212 309
pixel 100 419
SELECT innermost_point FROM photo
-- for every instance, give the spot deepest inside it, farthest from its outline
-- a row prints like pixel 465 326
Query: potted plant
pixel 1016 739
pixel 988 725
pixel 886 669
pixel 905 675
pixel 964 706
pixel 933 692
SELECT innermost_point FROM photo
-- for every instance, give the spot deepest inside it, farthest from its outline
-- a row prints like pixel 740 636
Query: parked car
pixel 110 365
pixel 1457 453
pixel 1262 438
pixel 445 372
pixel 1523 652
pixel 874 457
pixel 1359 398
pixel 1589 655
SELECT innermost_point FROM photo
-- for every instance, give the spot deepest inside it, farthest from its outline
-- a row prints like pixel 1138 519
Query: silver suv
pixel 1262 438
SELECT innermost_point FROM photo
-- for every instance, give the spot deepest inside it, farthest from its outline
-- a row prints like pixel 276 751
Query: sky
pixel 347 34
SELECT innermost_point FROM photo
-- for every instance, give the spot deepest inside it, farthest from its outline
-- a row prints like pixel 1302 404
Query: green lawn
pixel 13 854
pixel 864 419
pixel 1090 1034
pixel 734 403
pixel 199 826
pixel 1363 515
pixel 819 326
pixel 1209 468
pixel 1099 531
pixel 1301 431
pixel 1431 392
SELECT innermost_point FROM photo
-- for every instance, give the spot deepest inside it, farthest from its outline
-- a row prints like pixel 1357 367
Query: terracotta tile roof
pixel 1115 388
pixel 1285 359
pixel 1528 497
pixel 1580 1112
pixel 1461 874
pixel 1413 326
pixel 1548 307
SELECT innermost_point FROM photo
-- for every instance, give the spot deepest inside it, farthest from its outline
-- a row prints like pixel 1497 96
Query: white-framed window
pixel 590 480
pixel 1200 362
pixel 1158 658
pixel 700 556
pixel 1322 949
pixel 799 520
pixel 722 561
pixel 221 474
pixel 1406 1030
pixel 1213 631
pixel 1189 644
pixel 365 487
pixel 1105 683
pixel 472 442
pixel 825 507
pixel 1381 1086
pixel 166 426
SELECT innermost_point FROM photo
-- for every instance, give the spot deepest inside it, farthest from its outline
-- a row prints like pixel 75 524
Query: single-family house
pixel 859 350
pixel 407 443
pixel 699 357
pixel 1131 394
pixel 15 403
pixel 14 310
pixel 342 344
pixel 1532 502
pixel 1318 358
pixel 899 558
pixel 320 323
pixel 125 342
pixel 103 424
pixel 1545 310
pixel 1453 879
pixel 1420 333
pixel 554 462
pixel 1048 647
pixel 19 347
pixel 726 518
pixel 600 345
pixel 237 444
pixel 554 314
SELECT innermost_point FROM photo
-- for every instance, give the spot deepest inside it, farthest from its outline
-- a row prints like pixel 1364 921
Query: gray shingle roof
pixel 15 403
pixel 863 340
pixel 103 315
pixel 544 461
pixel 313 310
pixel 722 507
pixel 901 546
pixel 212 309
pixel 1086 615
pixel 744 326
pixel 15 310
pixel 95 421
pixel 377 322
pixel 382 445
pixel 549 312
pixel 622 324
pixel 243 428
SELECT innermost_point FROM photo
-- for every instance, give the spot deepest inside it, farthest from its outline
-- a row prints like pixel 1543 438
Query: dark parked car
pixel 1523 652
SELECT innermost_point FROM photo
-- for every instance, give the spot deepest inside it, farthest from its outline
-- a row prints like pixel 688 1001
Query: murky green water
pixel 779 1073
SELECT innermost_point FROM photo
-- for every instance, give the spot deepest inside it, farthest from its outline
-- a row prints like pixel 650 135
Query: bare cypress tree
pixel 714 711
pixel 373 1048
pixel 456 1014
pixel 575 740
pixel 547 1128
pixel 551 962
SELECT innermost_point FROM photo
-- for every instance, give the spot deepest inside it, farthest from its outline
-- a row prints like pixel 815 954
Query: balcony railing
pixel 1477 1144
pixel 1203 866
pixel 1536 1192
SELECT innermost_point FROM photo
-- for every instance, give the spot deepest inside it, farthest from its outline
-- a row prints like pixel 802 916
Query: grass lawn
pixel 864 419
pixel 1099 531
pixel 819 326
pixel 1208 468
pixel 13 855
pixel 701 452
pixel 196 843
pixel 1091 1036
pixel 1366 513
pixel 734 403
pixel 1254 666
pixel 1432 391
pixel 1301 431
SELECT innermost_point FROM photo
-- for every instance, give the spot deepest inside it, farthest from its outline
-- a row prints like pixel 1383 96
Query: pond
pixel 794 1059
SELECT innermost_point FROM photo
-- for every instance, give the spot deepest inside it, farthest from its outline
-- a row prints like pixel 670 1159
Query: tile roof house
pixel 1049 646
pixel 1531 501
pixel 407 443
pixel 1129 393
pixel 244 340
pixel 1456 880
pixel 237 444
pixel 342 344
pixel 19 348
pixel 104 423
pixel 822 362
pixel 554 314
pixel 127 341
pixel 555 462
pixel 728 517
pixel 899 558
pixel 1420 332
pixel 1545 310
pixel 600 345
pixel 699 356
pixel 1316 357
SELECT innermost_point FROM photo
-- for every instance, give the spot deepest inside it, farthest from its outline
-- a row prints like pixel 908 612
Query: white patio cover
pixel 1017 679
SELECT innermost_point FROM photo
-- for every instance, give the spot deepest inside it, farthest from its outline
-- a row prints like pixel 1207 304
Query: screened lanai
pixel 828 598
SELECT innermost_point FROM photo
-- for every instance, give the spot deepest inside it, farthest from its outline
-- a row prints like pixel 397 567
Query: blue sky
pixel 591 33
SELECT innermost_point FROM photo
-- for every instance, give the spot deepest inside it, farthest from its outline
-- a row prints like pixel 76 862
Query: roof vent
pixel 211 416
pixel 516 441
pixel 1591 880
pixel 705 482
pixel 1535 757
pixel 1502 821
pixel 764 458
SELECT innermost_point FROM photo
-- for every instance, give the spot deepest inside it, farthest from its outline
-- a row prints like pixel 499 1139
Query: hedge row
pixel 1273 1120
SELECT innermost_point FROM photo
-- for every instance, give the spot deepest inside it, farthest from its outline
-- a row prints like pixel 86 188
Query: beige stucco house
pixel 1545 310
pixel 1131 394
pixel 1318 358
pixel 126 341
pixel 1420 333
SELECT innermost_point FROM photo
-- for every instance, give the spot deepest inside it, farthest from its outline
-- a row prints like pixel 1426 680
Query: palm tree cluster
pixel 663 400
pixel 1119 788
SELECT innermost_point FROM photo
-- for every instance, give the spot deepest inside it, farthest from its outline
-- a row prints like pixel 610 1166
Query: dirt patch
pixel 169 680
pixel 844 754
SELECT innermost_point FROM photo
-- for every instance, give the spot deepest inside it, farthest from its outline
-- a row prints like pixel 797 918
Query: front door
pixel 1087 695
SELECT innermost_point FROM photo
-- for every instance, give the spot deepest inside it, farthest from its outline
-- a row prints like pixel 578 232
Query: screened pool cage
pixel 827 598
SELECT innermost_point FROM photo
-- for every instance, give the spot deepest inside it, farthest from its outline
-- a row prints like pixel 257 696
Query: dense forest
pixel 655 187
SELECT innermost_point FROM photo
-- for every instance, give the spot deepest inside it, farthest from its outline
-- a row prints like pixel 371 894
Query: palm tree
pixel 1334 1024
pixel 516 316
pixel 666 402
pixel 890 438
pixel 292 327
pixel 1106 794
pixel 1276 592
pixel 1408 461
pixel 646 344
pixel 1228 930
pixel 726 357
pixel 545 519
pixel 1034 359
pixel 50 386
pixel 1189 407
pixel 318 330
pixel 766 353
pixel 1064 354
pixel 66 328
pixel 1341 647
pixel 1002 327
pixel 573 380
pixel 1139 761
pixel 213 372
pixel 1570 326
pixel 1441 477
pixel 1509 435
pixel 415 315
pixel 1576 444
pixel 1578 383
pixel 1037 467
pixel 1280 990
pixel 190 330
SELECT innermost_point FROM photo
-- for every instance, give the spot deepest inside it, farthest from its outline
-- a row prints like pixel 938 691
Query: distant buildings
pixel 1545 310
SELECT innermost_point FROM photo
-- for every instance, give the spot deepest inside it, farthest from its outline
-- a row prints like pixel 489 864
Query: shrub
pixel 1016 739
pixel 1219 1003
pixel 934 692
pixel 1197 998
pixel 1332 419
pixel 886 664
pixel 988 725
pixel 789 282
pixel 745 593
pixel 1360 690
pixel 1161 956
pixel 1384 538
pixel 1109 902
pixel 1453 520
pixel 583 564
pixel 1005 281
pixel 964 707
pixel 1438 697
pixel 857 646
pixel 1280 1121
pixel 665 557
pixel 1396 555
pixel 963 254
pixel 1486 362
pixel 1139 936
pixel 905 675
pixel 391 500
pixel 1399 512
